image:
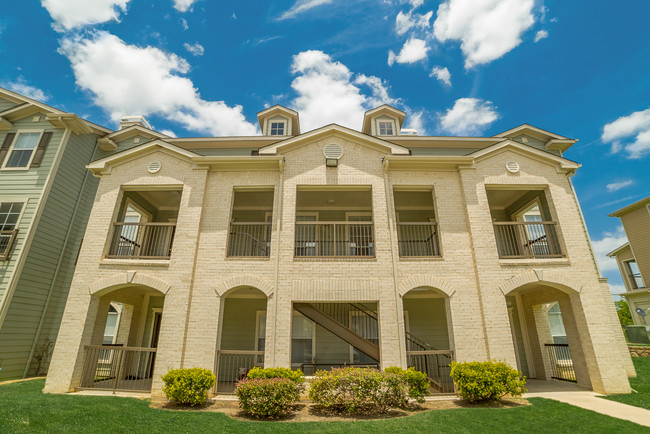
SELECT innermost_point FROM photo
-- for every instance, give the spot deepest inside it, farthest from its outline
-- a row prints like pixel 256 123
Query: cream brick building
pixel 334 246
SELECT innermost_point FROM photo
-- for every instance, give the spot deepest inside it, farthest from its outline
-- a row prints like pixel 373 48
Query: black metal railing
pixel 527 240
pixel 437 365
pixel 142 240
pixel 418 239
pixel 312 368
pixel 561 363
pixel 334 239
pixel 249 239
pixel 7 239
pixel 117 368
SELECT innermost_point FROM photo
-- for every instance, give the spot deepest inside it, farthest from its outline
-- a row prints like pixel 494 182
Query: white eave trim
pixel 618 250
pixel 532 128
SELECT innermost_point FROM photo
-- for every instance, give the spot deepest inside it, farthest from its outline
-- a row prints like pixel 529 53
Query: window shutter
pixel 40 149
pixel 4 150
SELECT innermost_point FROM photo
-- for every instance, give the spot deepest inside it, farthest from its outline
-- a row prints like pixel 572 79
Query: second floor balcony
pixel 146 225
pixel 417 229
pixel 334 223
pixel 523 226
pixel 7 238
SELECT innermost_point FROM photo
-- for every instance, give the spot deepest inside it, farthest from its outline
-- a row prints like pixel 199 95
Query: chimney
pixel 129 121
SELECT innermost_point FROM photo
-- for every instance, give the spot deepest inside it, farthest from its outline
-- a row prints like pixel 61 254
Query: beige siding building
pixel 336 247
pixel 633 259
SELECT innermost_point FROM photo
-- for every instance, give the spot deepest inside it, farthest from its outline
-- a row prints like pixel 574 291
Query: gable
pixel 514 148
pixel 334 131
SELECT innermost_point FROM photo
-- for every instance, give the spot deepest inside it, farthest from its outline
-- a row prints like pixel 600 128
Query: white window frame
pixel 383 121
pixel 11 149
pixel 313 338
pixel 258 314
pixel 629 273
pixel 23 201
pixel 285 126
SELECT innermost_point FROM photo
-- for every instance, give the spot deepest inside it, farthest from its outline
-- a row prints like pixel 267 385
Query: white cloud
pixel 441 74
pixel 542 34
pixel 406 21
pixel 169 133
pixel 468 116
pixel 416 3
pixel 184 23
pixel 487 29
pixel 615 186
pixel 416 122
pixel 70 14
pixel 637 124
pixel 608 242
pixel 183 5
pixel 146 80
pixel 413 51
pixel 20 86
pixel 301 6
pixel 195 49
pixel 328 92
pixel 617 289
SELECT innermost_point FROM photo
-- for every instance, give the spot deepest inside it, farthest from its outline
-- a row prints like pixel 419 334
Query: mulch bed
pixel 307 412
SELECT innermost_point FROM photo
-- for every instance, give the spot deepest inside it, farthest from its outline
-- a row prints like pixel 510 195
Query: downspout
pixel 276 277
pixel 399 321
pixel 58 266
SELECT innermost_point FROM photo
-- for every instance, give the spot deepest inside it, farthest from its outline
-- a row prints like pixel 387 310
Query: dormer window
pixel 386 128
pixel 277 128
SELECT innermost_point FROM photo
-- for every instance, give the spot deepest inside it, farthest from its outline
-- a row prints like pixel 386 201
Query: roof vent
pixel 408 132
pixel 333 151
pixel 154 167
pixel 512 166
pixel 129 121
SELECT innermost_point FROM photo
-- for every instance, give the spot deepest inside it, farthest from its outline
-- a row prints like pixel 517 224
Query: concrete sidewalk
pixel 574 395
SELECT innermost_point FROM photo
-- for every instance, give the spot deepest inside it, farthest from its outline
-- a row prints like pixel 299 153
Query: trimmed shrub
pixel 296 376
pixel 355 390
pixel 486 381
pixel 188 386
pixel 417 381
pixel 267 397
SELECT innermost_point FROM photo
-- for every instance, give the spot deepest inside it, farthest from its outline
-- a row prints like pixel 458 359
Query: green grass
pixel 23 408
pixel 641 384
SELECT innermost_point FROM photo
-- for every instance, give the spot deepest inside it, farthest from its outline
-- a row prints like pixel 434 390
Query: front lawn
pixel 640 384
pixel 24 408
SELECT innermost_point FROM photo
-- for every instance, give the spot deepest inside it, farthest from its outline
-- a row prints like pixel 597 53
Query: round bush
pixel 188 386
pixel 295 376
pixel 356 390
pixel 417 382
pixel 267 397
pixel 486 381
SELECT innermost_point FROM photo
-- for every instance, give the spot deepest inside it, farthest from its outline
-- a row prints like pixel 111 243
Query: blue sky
pixel 458 67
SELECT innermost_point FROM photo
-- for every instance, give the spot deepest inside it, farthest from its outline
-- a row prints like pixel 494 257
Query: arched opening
pixel 122 351
pixel 242 337
pixel 545 333
pixel 428 335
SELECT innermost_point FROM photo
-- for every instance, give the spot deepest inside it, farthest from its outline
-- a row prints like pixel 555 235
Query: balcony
pixel 142 240
pixel 527 240
pixel 250 226
pixel 7 239
pixel 334 222
pixel 523 224
pixel 417 229
pixel 146 225
pixel 339 239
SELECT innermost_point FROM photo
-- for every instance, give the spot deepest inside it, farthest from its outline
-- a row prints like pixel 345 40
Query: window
pixel 302 335
pixel 385 128
pixel 277 128
pixel 9 213
pixel 110 331
pixel 634 274
pixel 22 150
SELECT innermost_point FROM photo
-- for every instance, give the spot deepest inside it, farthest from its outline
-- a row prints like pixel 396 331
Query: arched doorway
pixel 545 333
pixel 428 335
pixel 122 350
pixel 242 335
